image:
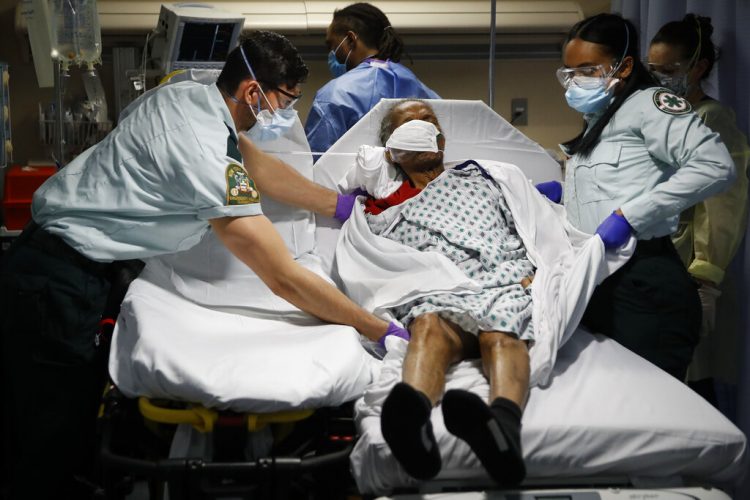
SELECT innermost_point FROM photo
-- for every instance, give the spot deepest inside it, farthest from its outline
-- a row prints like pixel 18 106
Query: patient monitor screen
pixel 208 42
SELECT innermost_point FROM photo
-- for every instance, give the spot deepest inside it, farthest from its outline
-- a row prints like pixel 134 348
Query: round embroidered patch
pixel 670 103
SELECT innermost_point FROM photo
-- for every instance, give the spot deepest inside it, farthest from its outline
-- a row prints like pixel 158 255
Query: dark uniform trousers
pixel 651 306
pixel 52 375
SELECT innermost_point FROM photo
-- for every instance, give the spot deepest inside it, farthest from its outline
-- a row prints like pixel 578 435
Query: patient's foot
pixel 493 432
pixel 405 423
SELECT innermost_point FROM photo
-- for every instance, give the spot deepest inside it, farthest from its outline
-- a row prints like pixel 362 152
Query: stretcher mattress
pixel 264 359
pixel 607 412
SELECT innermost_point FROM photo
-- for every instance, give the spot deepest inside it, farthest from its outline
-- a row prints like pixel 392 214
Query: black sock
pixel 508 414
pixel 492 432
pixel 405 423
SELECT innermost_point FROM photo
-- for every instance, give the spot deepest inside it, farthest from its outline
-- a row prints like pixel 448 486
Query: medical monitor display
pixel 195 36
pixel 205 42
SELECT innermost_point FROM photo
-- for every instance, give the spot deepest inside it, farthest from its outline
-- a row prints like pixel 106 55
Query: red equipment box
pixel 20 184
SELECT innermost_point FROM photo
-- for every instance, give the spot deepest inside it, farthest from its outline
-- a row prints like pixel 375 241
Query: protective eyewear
pixel 585 77
pixel 293 97
pixel 666 69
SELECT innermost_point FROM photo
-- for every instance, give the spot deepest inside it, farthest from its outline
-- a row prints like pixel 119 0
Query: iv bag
pixel 75 31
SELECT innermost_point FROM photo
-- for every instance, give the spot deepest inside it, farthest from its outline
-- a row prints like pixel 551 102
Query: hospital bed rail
pixel 311 463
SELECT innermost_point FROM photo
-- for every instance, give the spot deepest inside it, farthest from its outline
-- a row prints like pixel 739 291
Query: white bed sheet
pixel 251 360
pixel 607 412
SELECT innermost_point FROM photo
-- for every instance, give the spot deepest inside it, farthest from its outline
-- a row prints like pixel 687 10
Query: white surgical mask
pixel 269 124
pixel 281 122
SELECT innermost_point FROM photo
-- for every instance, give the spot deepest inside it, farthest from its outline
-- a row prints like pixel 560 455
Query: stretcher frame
pixel 313 463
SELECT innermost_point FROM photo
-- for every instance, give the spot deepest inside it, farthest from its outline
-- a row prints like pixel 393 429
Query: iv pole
pixel 493 15
pixel 59 124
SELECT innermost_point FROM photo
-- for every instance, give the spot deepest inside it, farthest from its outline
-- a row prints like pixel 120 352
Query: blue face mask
pixel 589 100
pixel 282 120
pixel 336 68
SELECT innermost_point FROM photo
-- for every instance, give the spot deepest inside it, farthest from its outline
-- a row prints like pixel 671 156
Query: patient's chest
pixel 463 217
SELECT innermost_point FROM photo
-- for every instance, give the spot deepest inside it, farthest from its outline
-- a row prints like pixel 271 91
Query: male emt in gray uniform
pixel 169 171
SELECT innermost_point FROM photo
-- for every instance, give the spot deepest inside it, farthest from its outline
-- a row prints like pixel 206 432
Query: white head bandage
pixel 415 135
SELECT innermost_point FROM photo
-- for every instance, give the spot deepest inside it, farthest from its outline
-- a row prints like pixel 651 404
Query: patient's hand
pixel 526 282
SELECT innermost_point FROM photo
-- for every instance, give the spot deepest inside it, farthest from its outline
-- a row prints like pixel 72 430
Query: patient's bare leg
pixel 405 419
pixel 435 345
pixel 505 362
pixel 494 431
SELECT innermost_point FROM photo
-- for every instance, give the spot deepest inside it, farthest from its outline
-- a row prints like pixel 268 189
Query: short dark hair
pixel 386 124
pixel 618 38
pixel 372 26
pixel 274 60
pixel 691 34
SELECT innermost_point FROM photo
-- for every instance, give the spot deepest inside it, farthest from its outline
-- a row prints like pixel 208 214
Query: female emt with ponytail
pixel 642 158
pixel 364 56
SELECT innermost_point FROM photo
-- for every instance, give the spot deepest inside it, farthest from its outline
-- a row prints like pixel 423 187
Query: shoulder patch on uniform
pixel 672 104
pixel 241 188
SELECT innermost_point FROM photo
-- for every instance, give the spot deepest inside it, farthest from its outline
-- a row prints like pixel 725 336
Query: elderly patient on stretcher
pixel 460 213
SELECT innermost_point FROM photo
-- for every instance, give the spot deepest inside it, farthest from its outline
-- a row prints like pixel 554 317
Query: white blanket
pixel 379 273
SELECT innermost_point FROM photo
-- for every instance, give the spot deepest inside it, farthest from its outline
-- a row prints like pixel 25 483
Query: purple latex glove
pixel 345 204
pixel 614 231
pixel 395 330
pixel 552 190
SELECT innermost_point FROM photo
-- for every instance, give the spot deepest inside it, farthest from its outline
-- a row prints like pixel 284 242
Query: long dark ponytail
pixel 618 38
pixel 372 26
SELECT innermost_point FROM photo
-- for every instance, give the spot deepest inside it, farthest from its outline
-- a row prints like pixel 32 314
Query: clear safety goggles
pixel 665 69
pixel 291 99
pixel 585 77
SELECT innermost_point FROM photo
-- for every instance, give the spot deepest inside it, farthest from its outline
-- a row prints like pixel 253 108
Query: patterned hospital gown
pixel 464 218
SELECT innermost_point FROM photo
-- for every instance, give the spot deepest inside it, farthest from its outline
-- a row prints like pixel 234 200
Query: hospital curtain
pixel 730 84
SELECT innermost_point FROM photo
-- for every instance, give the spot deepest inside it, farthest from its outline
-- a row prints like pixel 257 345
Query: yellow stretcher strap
pixel 203 419
pixel 256 421
pixel 169 76
pixel 199 417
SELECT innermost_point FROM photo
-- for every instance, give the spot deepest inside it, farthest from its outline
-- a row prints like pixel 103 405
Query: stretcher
pixel 182 313
pixel 607 417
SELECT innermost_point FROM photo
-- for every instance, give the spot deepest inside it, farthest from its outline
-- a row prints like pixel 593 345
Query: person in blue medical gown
pixel 364 56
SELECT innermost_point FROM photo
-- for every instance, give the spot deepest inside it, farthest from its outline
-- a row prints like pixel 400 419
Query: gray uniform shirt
pixel 152 184
pixel 654 159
